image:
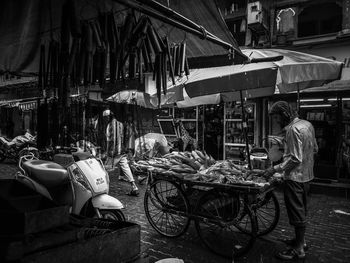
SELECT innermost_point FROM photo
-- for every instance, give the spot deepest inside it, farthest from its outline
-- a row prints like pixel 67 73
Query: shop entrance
pixel 213 130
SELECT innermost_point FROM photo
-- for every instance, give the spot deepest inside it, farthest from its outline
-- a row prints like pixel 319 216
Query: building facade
pixel 318 27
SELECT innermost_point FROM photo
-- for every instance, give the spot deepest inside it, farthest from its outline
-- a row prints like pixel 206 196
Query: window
pixel 319 19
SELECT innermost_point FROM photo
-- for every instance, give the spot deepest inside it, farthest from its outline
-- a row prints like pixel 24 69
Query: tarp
pixel 295 71
pixel 25 24
pixel 298 70
pixel 204 13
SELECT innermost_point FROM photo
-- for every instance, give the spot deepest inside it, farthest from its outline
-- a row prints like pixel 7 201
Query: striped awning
pixel 22 104
pixel 29 105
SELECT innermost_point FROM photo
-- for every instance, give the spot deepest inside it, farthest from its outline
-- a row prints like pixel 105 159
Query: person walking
pixel 115 149
pixel 130 135
pixel 297 170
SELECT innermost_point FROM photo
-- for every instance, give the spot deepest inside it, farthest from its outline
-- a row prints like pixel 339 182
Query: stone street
pixel 328 230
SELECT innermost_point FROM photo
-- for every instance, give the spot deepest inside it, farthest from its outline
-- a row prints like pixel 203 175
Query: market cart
pixel 228 217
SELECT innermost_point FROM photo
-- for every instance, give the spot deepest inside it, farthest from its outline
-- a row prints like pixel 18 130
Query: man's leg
pixel 296 209
pixel 124 166
pixel 299 237
pixel 300 230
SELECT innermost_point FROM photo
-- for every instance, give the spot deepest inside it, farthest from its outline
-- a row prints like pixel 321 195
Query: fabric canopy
pixel 25 24
pixel 299 70
pixel 295 71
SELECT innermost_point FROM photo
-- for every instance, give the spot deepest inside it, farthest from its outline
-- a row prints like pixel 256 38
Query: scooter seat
pixel 47 173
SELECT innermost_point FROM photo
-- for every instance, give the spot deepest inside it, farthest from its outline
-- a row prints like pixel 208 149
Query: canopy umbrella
pixel 259 86
pixel 295 71
pixel 144 99
pixel 184 101
pixel 132 97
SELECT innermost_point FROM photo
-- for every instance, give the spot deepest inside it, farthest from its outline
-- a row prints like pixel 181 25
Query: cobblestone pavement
pixel 328 232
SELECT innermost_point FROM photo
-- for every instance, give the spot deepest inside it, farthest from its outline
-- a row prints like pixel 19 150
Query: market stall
pixel 229 204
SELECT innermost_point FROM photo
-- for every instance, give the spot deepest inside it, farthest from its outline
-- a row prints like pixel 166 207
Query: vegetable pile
pixel 199 166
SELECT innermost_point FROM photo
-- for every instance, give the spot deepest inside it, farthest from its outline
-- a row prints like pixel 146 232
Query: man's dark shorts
pixel 295 198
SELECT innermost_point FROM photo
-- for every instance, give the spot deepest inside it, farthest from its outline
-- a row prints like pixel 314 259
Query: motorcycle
pixel 18 147
pixel 83 185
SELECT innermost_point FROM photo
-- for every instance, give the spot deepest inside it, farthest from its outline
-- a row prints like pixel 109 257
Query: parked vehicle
pixel 19 146
pixel 84 185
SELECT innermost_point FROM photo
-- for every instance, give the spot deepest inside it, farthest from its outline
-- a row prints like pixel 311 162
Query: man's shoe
pixel 291 254
pixel 291 243
pixel 133 193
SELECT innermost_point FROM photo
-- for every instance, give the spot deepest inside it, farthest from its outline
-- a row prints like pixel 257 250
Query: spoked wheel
pixel 116 215
pixel 223 215
pixel 166 208
pixel 267 212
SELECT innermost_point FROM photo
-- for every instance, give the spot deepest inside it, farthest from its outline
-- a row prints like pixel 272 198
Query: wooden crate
pixel 76 243
pixel 24 211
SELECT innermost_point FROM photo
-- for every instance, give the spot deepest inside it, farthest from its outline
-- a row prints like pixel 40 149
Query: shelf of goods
pixel 234 140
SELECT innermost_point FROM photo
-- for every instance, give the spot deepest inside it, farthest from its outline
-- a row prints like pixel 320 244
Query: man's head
pixel 108 113
pixel 283 112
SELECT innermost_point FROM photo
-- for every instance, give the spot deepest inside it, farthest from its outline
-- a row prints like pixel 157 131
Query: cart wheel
pixel 166 208
pixel 267 212
pixel 223 215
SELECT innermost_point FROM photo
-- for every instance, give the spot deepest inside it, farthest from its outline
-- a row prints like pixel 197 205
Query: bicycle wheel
pixel 222 213
pixel 267 212
pixel 166 207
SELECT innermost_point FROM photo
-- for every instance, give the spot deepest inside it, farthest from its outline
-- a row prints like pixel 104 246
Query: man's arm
pixel 315 142
pixel 295 155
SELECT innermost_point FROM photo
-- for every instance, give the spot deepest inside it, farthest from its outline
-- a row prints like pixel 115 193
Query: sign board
pixel 167 127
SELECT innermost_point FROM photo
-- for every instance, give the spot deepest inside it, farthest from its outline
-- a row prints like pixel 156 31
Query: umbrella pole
pixel 298 99
pixel 245 131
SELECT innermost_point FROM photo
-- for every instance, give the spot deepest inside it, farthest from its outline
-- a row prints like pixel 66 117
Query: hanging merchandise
pixel 54 122
pixel 42 126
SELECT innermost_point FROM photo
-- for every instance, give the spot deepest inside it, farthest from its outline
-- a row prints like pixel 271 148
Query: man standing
pixel 297 166
pixel 114 139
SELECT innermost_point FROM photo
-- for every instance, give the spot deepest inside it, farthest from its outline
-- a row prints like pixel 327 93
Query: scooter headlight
pixel 80 178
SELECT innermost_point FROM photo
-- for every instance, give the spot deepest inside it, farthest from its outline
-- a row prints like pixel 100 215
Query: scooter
pixel 19 146
pixel 83 185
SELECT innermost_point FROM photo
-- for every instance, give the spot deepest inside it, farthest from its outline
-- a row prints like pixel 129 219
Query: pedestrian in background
pixel 116 150
pixel 130 135
pixel 297 168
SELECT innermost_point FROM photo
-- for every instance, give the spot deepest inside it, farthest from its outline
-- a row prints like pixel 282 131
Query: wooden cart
pixel 228 217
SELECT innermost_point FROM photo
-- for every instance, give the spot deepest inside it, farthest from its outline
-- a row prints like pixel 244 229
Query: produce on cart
pixel 230 204
pixel 198 166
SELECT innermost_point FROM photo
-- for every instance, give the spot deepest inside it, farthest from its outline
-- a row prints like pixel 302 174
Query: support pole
pixel 146 9
pixel 298 99
pixel 245 131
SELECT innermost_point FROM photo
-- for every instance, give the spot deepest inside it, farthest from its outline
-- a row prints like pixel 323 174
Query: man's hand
pixel 269 172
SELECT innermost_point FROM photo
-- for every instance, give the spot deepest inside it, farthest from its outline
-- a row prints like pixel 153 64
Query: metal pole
pixel 203 129
pixel 245 131
pixel 224 139
pixel 197 131
pixel 172 14
pixel 298 99
pixel 149 11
